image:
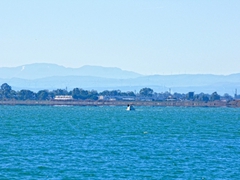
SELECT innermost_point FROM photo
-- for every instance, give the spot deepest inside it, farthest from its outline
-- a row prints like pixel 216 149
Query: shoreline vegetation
pixel 145 97
pixel 233 103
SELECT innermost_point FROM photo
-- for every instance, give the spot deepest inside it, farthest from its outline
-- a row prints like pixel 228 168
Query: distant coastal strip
pixel 234 103
pixel 145 97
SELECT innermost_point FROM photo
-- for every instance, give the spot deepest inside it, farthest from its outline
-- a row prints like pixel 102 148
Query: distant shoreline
pixel 234 103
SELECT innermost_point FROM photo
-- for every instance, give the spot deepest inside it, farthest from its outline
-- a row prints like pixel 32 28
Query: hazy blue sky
pixel 145 36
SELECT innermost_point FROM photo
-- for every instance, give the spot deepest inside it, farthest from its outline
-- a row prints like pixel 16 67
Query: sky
pixel 144 36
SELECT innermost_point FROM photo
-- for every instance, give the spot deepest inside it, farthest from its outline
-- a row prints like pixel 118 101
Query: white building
pixel 63 98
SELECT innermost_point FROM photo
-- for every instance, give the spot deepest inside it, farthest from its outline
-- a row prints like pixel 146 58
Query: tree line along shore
pixel 145 97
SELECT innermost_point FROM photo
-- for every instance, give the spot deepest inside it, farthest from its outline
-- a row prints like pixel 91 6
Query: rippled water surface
pixel 71 142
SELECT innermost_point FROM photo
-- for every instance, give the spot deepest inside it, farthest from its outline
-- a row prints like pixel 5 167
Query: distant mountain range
pixel 44 70
pixel 51 76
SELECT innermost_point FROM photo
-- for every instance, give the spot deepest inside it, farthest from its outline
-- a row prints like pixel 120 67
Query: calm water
pixel 70 142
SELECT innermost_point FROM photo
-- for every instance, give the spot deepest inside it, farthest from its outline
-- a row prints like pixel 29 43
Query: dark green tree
pixel 5 92
pixel 26 95
pixel 93 95
pixel 105 93
pixel 76 93
pixel 79 93
pixel 146 92
pixel 115 93
pixel 201 97
pixel 5 87
pixel 82 94
pixel 130 93
pixel 43 95
pixel 60 92
pixel 111 93
pixel 214 96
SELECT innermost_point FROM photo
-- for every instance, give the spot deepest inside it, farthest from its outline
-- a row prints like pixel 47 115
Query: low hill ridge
pixel 43 70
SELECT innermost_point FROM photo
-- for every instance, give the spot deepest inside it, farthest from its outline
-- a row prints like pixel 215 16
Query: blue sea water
pixel 73 142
